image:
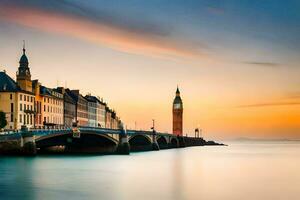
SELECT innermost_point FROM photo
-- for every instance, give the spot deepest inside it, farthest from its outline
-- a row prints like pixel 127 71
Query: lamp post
pixel 153 125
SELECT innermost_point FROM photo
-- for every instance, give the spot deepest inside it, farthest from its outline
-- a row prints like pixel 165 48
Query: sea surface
pixel 240 171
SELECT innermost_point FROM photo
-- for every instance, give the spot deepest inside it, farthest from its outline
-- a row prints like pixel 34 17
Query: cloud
pixel 263 64
pixel 69 19
pixel 269 104
pixel 294 95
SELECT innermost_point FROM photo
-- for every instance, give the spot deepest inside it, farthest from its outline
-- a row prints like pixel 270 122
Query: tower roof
pixel 177 100
pixel 177 91
pixel 24 60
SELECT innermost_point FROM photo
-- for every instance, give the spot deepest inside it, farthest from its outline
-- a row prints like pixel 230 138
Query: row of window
pixel 26 119
pixel 26 107
pixel 26 98
pixel 54 120
pixel 53 109
pixel 53 101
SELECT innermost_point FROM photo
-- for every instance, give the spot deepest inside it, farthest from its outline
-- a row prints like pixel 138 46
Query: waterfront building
pixel 177 114
pixel 108 118
pixel 38 104
pixel 114 120
pixel 53 108
pixel 17 104
pixel 101 114
pixel 17 98
pixel 92 110
pixel 96 111
pixel 69 107
pixel 27 103
pixel 81 114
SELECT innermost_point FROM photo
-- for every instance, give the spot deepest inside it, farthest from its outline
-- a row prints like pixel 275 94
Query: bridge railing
pixel 10 136
pixel 42 132
pixel 100 130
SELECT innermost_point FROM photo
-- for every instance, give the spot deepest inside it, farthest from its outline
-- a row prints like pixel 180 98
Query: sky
pixel 236 62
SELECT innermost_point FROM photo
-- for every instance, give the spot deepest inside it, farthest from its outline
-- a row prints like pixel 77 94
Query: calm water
pixel 240 171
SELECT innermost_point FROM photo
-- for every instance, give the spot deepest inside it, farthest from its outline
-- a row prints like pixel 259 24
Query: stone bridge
pixel 92 140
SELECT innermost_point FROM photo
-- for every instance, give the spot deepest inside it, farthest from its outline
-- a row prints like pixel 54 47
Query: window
pixel 31 108
pixel 31 99
pixel 21 97
pixel 21 107
pixel 20 118
pixel 28 98
pixel 45 120
pixel 31 119
pixel 27 119
pixel 12 107
pixel 24 119
pixel 11 117
pixel 11 96
pixel 44 108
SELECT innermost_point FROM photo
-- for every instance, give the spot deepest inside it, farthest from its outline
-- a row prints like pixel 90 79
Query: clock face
pixel 177 106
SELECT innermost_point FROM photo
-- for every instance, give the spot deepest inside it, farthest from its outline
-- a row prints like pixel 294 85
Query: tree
pixel 3 121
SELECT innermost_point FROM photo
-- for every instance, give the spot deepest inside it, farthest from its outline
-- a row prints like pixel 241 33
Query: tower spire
pixel 24 47
pixel 177 91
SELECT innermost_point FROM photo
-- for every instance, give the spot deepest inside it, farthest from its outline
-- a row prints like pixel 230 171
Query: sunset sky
pixel 237 63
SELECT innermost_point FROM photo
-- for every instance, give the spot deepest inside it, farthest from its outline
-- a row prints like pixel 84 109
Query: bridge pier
pixel 182 142
pixel 28 146
pixel 155 146
pixel 123 146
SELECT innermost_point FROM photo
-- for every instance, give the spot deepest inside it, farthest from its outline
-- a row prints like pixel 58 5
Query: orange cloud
pixel 270 104
pixel 100 33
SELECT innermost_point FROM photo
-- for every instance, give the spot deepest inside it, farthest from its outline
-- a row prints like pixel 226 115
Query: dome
pixel 23 59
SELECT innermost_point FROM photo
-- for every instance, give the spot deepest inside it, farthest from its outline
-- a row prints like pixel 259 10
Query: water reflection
pixel 241 171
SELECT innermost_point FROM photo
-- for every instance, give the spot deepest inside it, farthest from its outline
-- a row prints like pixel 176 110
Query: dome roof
pixel 24 59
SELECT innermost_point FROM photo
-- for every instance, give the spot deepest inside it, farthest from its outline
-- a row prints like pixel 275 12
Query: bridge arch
pixel 162 142
pixel 173 143
pixel 87 143
pixel 140 142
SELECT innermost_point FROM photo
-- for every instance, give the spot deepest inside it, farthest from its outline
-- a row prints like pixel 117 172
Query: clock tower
pixel 177 114
pixel 23 73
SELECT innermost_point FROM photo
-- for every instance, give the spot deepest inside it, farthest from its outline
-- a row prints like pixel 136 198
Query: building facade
pixel 101 114
pixel 96 111
pixel 81 114
pixel 108 118
pixel 17 105
pixel 114 120
pixel 53 108
pixel 177 114
pixel 38 104
pixel 69 107
pixel 92 110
